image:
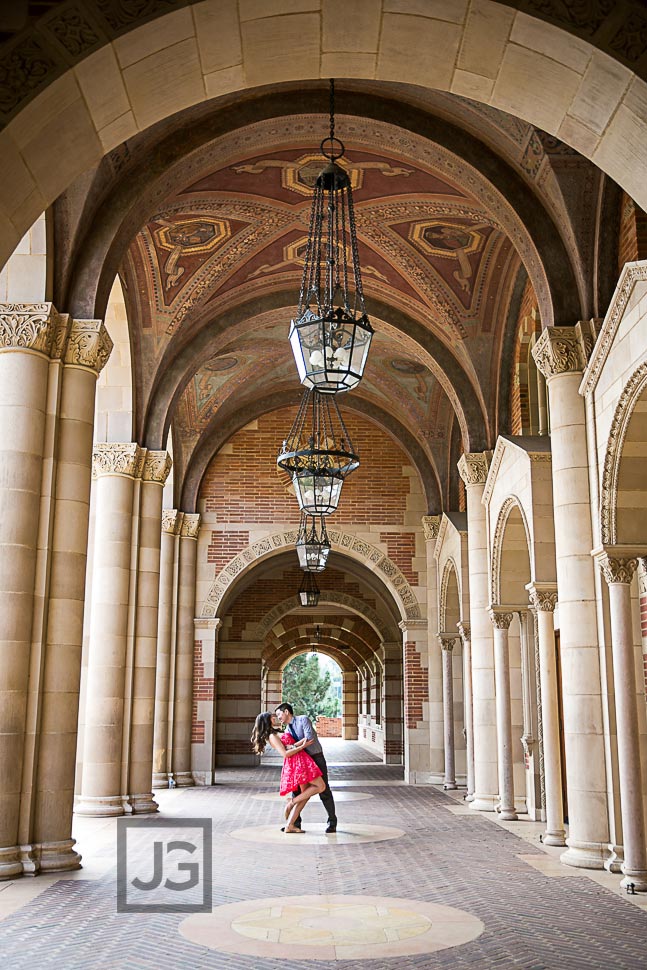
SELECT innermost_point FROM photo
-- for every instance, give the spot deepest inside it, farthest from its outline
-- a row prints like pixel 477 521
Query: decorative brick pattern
pixel 202 691
pixel 416 685
pixel 225 545
pixel 401 548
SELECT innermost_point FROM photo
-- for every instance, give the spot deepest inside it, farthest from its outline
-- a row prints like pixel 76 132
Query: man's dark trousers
pixel 326 795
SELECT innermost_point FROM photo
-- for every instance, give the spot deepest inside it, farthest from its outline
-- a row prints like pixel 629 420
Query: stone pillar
pixel 166 630
pixel 543 598
pixel 431 527
pixel 87 351
pixel 203 737
pixel 501 622
pixel 275 693
pixel 473 469
pixel 464 631
pixel 350 703
pixel 157 465
pixel 183 706
pixel 115 467
pixel 447 647
pixel 618 573
pixel 393 723
pixel 416 702
pixel 560 354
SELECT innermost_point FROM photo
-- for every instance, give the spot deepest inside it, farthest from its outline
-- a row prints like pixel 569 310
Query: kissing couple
pixel 305 772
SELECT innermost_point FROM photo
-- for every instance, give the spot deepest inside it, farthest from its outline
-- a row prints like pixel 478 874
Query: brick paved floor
pixel 533 921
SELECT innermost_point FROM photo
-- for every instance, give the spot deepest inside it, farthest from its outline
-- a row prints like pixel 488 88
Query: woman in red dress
pixel 299 769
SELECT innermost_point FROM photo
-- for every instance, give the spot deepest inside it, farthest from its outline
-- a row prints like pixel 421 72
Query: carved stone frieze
pixel 157 466
pixel 171 521
pixel 431 525
pixel 501 620
pixel 473 467
pixel 89 345
pixel 617 570
pixel 190 525
pixel 117 459
pixel 31 326
pixel 562 350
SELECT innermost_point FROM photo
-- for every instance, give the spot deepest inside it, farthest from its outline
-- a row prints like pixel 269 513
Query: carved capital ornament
pixel 501 620
pixel 171 521
pixel 88 345
pixel 117 459
pixel 564 350
pixel 617 570
pixel 190 525
pixel 473 467
pixel 542 599
pixel 157 466
pixel 431 526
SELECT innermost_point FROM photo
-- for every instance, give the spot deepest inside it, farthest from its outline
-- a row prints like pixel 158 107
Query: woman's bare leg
pixel 315 787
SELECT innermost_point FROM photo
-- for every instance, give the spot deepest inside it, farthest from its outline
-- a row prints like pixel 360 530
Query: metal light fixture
pixel 331 333
pixel 313 544
pixel 309 591
pixel 318 454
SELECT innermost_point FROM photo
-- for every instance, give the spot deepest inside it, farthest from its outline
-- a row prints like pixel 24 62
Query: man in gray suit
pixel 301 727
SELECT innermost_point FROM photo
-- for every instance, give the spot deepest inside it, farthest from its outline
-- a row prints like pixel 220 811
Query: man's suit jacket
pixel 303 728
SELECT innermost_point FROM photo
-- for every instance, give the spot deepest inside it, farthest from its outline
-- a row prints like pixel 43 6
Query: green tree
pixel 308 689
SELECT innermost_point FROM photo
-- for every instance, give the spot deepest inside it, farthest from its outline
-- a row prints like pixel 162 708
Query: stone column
pixel 543 598
pixel 431 527
pixel 473 469
pixel 203 742
pixel 183 713
pixel 393 704
pixel 115 467
pixel 501 622
pixel 87 351
pixel 464 631
pixel 349 721
pixel 447 647
pixel 560 354
pixel 416 702
pixel 166 630
pixel 618 573
pixel 157 465
pixel 275 693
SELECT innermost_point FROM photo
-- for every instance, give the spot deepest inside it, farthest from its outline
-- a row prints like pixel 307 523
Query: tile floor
pixel 483 889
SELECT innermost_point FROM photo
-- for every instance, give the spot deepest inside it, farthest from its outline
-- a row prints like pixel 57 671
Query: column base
pixel 57 856
pixel 184 779
pixel 584 855
pixel 484 803
pixel 160 779
pixel 10 864
pixel 616 860
pixel 450 785
pixel 143 804
pixel 469 797
pixel 101 806
pixel 507 814
pixel 636 878
pixel 554 838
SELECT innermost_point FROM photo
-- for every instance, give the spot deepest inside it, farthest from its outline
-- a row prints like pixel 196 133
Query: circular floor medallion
pixel 331 927
pixel 339 796
pixel 347 833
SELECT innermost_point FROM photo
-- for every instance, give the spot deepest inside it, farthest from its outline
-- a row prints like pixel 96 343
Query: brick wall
pixel 202 691
pixel 416 686
pixel 632 243
pixel 401 548
pixel 528 323
pixel 244 485
pixel 225 545
pixel 328 727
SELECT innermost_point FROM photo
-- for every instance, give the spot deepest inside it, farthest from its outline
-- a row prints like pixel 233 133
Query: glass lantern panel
pixel 317 494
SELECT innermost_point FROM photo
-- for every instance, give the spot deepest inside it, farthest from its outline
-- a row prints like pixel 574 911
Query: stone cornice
pixel 430 526
pixel 616 569
pixel 632 273
pixel 473 467
pixel 117 459
pixel 543 596
pixel 501 619
pixel 172 521
pixel 564 350
pixel 206 623
pixel 33 326
pixel 157 465
pixel 88 345
pixel 407 625
pixel 190 525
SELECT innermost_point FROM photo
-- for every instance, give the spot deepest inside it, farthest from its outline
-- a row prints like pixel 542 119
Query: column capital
pixel 431 526
pixel 464 631
pixel 172 521
pixel 110 458
pixel 616 569
pixel 473 467
pixel 190 525
pixel 543 596
pixel 563 350
pixel 501 619
pixel 88 345
pixel 33 326
pixel 446 641
pixel 157 465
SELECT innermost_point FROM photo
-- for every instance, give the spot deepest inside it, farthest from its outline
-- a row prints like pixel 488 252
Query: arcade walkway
pixel 413 879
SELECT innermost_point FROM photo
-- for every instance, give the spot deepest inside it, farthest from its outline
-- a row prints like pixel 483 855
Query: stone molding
pixel 172 521
pixel 449 567
pixel 616 569
pixel 190 525
pixel 632 273
pixel 501 619
pixel 373 558
pixel 88 345
pixel 407 625
pixel 612 459
pixel 543 597
pixel 117 459
pixel 464 631
pixel 157 466
pixel 206 623
pixel 446 641
pixel 473 467
pixel 431 526
pixel 564 350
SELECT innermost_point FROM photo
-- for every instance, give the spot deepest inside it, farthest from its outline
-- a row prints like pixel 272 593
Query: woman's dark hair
pixel 261 733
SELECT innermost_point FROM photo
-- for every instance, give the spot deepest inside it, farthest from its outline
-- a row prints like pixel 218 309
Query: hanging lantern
pixel 331 333
pixel 313 545
pixel 318 454
pixel 309 591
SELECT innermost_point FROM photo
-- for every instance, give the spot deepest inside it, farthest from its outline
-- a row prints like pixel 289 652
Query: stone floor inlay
pixel 340 796
pixel 332 927
pixel 314 834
